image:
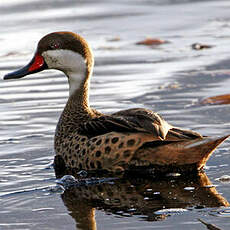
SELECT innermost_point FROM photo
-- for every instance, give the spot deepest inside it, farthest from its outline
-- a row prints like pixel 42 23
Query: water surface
pixel 170 79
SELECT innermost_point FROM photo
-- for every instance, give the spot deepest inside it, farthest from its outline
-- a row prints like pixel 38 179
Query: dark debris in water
pixel 209 226
pixel 152 42
pixel 216 100
pixel 199 46
pixel 114 39
pixel 224 178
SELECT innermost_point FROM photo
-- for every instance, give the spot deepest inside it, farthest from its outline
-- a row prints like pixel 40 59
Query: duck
pixel 127 140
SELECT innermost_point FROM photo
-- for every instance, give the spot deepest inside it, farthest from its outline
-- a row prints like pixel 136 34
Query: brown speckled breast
pixel 111 152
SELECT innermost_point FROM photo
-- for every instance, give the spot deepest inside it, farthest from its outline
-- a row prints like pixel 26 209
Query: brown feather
pixel 132 121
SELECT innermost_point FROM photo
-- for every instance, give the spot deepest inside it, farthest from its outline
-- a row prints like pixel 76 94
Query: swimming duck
pixel 88 139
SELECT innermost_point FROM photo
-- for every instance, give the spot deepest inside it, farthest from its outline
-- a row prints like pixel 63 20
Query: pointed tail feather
pixel 179 153
pixel 203 149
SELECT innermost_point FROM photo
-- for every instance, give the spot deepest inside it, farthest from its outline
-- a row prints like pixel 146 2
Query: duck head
pixel 65 51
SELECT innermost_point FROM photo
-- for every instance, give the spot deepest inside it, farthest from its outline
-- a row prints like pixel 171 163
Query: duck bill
pixel 37 64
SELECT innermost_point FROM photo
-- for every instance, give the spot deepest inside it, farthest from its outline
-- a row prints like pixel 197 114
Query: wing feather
pixel 132 120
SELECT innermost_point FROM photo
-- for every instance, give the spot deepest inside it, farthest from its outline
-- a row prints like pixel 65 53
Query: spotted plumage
pixel 87 139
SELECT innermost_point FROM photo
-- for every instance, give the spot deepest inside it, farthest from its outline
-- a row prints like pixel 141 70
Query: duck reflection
pixel 140 196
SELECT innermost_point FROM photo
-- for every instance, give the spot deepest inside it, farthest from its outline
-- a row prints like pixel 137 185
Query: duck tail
pixel 180 154
pixel 200 151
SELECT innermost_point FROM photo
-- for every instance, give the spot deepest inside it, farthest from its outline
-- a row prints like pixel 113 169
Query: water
pixel 170 78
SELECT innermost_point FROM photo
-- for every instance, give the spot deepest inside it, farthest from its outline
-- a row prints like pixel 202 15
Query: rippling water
pixel 170 78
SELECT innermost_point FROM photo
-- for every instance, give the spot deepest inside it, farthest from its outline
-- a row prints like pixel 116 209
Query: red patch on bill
pixel 38 62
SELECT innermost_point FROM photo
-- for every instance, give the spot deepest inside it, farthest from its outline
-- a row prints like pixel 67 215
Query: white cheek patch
pixel 70 62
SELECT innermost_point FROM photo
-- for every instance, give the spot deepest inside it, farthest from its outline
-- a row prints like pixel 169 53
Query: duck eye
pixel 55 46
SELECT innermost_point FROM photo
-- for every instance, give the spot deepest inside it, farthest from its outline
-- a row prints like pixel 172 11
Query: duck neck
pixel 77 109
pixel 78 101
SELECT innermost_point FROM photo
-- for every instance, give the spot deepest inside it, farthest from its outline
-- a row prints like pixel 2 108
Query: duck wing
pixel 154 123
pixel 131 120
pixel 148 120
